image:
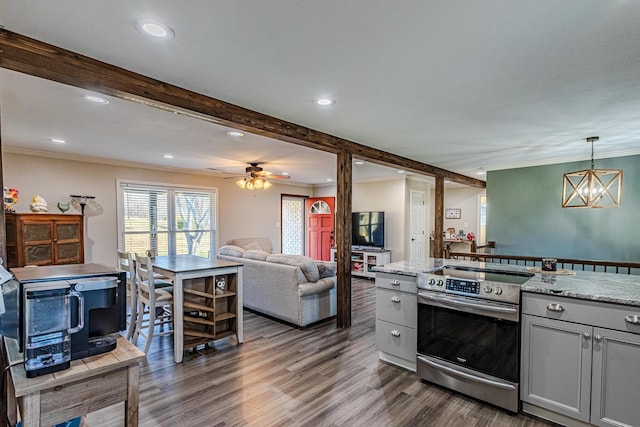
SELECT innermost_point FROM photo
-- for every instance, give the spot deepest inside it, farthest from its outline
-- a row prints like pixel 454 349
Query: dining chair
pixel 125 262
pixel 155 304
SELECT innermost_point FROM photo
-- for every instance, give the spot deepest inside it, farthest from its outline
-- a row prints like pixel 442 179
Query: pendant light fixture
pixel 592 188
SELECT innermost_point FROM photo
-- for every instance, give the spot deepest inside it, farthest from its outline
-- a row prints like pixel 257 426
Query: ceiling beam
pixel 36 58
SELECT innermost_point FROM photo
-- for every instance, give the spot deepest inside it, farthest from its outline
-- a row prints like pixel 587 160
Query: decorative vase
pixel 63 206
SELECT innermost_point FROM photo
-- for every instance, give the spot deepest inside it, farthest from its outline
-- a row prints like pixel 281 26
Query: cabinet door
pixel 37 241
pixel 67 242
pixel 616 378
pixel 556 366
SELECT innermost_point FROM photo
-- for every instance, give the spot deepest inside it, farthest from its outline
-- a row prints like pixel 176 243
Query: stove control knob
pixel 432 281
pixel 498 291
pixel 488 289
pixel 440 283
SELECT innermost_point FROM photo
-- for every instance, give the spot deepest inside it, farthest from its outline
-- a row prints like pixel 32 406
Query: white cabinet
pixel 397 319
pixel 556 366
pixel 363 261
pixel 615 385
pixel 575 369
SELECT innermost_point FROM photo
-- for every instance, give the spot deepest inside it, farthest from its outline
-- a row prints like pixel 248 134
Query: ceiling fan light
pixel 258 183
pixel 267 185
pixel 241 183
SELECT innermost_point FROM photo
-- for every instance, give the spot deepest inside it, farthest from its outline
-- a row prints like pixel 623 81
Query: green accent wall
pixel 525 214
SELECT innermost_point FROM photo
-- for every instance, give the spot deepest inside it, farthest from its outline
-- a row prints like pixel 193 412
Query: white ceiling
pixel 461 85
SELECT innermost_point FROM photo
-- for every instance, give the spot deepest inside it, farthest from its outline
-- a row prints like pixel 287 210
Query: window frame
pixel 171 189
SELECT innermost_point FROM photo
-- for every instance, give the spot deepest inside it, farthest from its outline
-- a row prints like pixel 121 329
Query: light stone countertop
pixel 587 285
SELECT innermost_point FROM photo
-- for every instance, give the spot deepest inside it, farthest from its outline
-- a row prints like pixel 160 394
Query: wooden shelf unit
pixel 363 261
pixel 209 316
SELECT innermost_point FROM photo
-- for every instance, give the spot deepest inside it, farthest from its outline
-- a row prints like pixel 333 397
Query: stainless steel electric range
pixel 469 333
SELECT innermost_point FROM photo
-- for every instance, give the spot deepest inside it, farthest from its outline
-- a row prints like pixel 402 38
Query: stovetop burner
pixel 486 274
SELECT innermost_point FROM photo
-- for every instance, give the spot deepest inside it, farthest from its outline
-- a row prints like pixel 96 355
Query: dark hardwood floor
pixel 282 376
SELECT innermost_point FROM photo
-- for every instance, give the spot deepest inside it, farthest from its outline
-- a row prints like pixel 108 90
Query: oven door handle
pixel 445 300
pixel 464 375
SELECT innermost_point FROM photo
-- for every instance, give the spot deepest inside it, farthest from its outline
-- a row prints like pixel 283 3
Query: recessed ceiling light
pixel 96 99
pixel 59 140
pixel 168 156
pixel 329 180
pixel 285 173
pixel 359 163
pixel 480 173
pixel 156 30
pixel 324 102
pixel 234 133
pixel 400 171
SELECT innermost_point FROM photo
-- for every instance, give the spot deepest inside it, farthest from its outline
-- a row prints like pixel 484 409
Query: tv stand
pixel 363 259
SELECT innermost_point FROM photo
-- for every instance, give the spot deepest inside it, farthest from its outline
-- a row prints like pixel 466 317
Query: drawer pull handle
pixel 395 299
pixel 632 319
pixel 598 338
pixel 555 307
pixel 586 335
pixel 395 333
pixel 395 282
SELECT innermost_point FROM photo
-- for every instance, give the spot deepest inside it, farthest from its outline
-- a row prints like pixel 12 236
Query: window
pixel 171 220
pixel 293 227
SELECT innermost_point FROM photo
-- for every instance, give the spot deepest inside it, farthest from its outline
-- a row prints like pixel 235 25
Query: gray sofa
pixel 292 288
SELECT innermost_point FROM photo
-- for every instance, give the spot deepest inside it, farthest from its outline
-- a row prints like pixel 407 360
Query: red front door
pixel 320 218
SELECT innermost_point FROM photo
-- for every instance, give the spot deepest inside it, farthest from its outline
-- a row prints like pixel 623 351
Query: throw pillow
pixel 258 255
pixel 252 246
pixel 306 264
pixel 327 269
pixel 231 250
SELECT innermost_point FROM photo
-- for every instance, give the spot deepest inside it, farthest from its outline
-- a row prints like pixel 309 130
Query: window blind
pixel 168 220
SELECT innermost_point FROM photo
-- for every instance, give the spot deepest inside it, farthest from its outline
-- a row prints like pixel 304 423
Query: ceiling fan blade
pixel 277 176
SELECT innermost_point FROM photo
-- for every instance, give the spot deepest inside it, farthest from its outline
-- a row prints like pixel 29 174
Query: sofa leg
pixel 302 328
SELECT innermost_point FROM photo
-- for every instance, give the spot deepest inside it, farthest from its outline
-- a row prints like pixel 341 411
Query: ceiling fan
pixel 255 178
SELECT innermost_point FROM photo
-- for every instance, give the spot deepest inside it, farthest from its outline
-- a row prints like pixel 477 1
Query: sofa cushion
pixel 231 250
pixel 326 268
pixel 252 246
pixel 306 264
pixel 258 255
pixel 264 243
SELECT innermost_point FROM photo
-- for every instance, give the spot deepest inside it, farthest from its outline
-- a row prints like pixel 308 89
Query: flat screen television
pixel 367 229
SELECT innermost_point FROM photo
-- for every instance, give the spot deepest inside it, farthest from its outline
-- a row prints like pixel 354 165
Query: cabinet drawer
pixel 397 307
pixel 605 315
pixel 397 340
pixel 397 282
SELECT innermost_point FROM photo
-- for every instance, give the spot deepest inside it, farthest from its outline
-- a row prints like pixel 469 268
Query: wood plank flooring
pixel 282 376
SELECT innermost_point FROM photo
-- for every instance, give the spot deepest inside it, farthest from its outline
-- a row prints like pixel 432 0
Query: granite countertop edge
pixel 594 286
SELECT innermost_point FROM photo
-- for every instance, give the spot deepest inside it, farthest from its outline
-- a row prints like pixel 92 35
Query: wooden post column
pixel 343 239
pixel 438 241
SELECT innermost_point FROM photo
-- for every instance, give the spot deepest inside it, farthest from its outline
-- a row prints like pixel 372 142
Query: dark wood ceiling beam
pixel 36 58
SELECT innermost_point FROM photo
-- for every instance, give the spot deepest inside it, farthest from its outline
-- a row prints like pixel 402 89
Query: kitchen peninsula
pixel 578 335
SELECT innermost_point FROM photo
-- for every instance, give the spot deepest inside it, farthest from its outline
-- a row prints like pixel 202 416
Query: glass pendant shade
pixel 592 188
pixel 253 183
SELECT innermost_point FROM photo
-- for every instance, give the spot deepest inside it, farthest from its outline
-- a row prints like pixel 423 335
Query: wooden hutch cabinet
pixel 44 239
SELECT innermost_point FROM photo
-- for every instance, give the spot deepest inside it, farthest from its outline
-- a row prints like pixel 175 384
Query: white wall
pixel 387 196
pixel 466 199
pixel 241 213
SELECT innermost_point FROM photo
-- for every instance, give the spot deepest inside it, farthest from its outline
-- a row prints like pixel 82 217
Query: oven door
pixel 473 333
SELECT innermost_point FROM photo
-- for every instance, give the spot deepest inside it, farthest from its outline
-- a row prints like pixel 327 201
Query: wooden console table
pixel 90 384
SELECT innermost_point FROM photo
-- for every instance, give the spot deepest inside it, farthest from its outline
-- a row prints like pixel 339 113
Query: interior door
pixel 416 250
pixel 320 219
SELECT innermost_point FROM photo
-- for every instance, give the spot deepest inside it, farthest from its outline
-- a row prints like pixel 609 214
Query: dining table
pixel 180 268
